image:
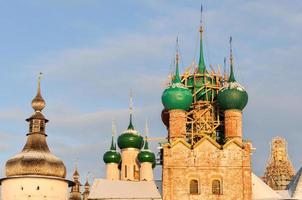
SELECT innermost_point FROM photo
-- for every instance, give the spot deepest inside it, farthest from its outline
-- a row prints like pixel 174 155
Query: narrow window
pixel 194 187
pixel 38 187
pixel 125 171
pixel 216 187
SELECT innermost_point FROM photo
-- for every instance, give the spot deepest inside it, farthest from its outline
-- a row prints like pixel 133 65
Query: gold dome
pixel 36 158
pixel 38 103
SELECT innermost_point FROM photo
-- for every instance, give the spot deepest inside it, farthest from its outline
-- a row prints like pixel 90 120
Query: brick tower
pixel 205 156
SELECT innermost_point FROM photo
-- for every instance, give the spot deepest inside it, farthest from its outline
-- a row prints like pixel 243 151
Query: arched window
pixel 194 187
pixel 216 187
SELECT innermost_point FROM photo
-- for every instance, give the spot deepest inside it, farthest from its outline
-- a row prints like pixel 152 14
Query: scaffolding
pixel 204 116
pixel 279 171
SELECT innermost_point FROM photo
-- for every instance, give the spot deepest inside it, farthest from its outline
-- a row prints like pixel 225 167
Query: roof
pixel 114 190
pixel 295 186
pixel 261 191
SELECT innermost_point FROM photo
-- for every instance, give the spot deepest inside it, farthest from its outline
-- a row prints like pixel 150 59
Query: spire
pixel 201 63
pixel 38 103
pixel 232 77
pixel 177 77
pixel 146 145
pixel 130 126
pixel 113 146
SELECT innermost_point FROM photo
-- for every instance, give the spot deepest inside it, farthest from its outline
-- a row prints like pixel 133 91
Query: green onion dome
pixel 112 156
pixel 146 155
pixel 177 95
pixel 232 95
pixel 130 138
pixel 201 77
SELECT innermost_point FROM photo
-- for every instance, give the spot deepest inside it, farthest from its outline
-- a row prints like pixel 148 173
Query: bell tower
pixel 205 156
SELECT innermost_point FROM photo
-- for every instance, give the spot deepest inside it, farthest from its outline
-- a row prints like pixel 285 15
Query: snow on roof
pixel 108 189
pixel 295 186
pixel 261 191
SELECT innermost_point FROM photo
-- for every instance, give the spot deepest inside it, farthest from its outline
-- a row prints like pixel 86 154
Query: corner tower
pixel 35 172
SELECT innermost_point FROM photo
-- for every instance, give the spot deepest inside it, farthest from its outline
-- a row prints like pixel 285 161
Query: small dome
pixel 112 157
pixel 177 95
pixel 146 155
pixel 38 103
pixel 130 138
pixel 232 96
pixel 35 163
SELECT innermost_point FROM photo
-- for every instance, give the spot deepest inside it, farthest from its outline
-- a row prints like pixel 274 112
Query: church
pixel 204 154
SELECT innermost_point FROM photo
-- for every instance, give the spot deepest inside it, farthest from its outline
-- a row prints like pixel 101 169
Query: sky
pixel 92 52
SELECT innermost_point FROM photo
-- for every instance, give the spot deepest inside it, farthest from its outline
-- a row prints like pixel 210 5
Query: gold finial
pixel 131 102
pixel 38 103
pixel 200 27
pixel 177 51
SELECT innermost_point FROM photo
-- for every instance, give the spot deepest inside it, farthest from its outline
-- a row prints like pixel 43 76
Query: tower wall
pixel 177 124
pixel 34 188
pixel 146 172
pixel 206 162
pixel 233 123
pixel 130 168
pixel 112 171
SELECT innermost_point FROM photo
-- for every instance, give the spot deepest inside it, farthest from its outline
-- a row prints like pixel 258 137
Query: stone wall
pixel 205 162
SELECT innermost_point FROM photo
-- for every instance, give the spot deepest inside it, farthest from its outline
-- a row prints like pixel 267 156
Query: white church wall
pixel 34 188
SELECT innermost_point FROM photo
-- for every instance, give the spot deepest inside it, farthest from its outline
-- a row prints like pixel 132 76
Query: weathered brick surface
pixel 233 123
pixel 205 162
pixel 177 124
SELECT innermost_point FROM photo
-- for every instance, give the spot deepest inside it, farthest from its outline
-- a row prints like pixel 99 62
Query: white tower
pixel 35 173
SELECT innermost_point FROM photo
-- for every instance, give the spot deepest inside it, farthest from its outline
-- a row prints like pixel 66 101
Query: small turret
pixel 177 99
pixel 232 98
pixel 146 155
pixel 86 190
pixel 112 158
pixel 130 142
pixel 75 193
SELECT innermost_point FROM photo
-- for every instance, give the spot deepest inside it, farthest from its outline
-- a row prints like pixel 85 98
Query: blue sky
pixel 92 52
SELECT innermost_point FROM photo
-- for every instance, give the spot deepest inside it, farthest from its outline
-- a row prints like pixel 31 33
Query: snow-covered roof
pixel 262 191
pixel 295 186
pixel 122 190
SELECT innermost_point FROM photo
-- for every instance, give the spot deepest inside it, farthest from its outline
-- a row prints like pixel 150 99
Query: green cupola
pixel 177 95
pixel 130 138
pixel 232 95
pixel 112 156
pixel 146 155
